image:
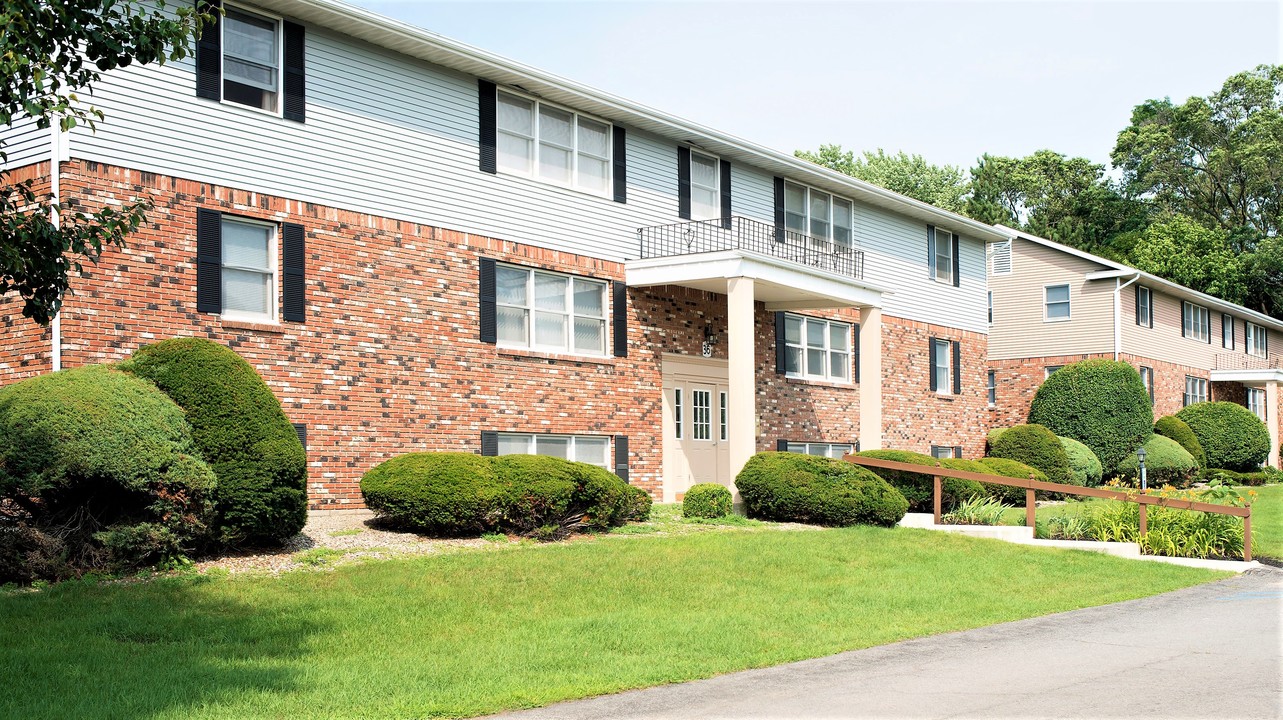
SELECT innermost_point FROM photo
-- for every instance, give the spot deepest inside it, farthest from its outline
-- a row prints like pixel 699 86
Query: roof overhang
pixel 1249 378
pixel 440 50
pixel 780 284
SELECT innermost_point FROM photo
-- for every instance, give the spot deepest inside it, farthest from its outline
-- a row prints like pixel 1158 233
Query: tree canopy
pixel 51 53
pixel 944 186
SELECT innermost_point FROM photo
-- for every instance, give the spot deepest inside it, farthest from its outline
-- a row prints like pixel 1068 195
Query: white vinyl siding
pixel 1256 343
pixel 591 449
pixel 550 311
pixel 829 450
pixel 24 143
pixel 1056 303
pixel 551 143
pixel 1196 321
pixel 249 277
pixel 817 349
pixel 1195 390
pixel 706 201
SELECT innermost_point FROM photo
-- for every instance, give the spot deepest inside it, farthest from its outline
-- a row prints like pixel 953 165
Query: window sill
pixel 836 384
pixel 551 358
pixel 264 327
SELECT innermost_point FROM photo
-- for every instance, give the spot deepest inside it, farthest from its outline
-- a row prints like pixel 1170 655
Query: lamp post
pixel 1140 456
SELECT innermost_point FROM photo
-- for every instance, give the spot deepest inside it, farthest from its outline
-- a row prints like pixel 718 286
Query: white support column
pixel 1272 414
pixel 742 371
pixel 870 378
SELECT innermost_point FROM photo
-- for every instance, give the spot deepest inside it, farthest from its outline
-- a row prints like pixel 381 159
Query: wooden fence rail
pixel 1031 485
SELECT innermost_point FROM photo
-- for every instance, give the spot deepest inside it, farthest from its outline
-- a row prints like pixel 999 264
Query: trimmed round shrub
pixel 794 487
pixel 454 494
pixel 992 436
pixel 1083 463
pixel 1101 403
pixel 639 504
pixel 1232 437
pixel 1173 427
pixel 706 500
pixel 1166 463
pixel 917 487
pixel 1012 469
pixel 97 472
pixel 239 428
pixel 1037 447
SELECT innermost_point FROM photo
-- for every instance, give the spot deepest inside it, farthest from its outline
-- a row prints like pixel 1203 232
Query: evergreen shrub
pixel 1101 403
pixel 812 489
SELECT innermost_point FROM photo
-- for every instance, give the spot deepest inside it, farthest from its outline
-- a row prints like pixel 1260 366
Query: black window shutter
pixel 1184 316
pixel 489 443
pixel 294 273
pixel 209 54
pixel 209 261
pixel 726 194
pixel 957 262
pixel 489 329
pixel 621 457
pixel 957 367
pixel 957 451
pixel 300 429
pixel 619 164
pixel 931 251
pixel 1138 318
pixel 619 310
pixel 780 360
pixel 855 339
pixel 487 122
pixel 931 353
pixel 779 209
pixel 295 107
pixel 782 445
pixel 684 183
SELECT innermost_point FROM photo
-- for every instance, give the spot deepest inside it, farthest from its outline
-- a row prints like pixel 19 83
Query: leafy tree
pixel 1183 251
pixel 51 52
pixel 944 186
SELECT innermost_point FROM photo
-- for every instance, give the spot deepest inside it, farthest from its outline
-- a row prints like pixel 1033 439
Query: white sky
pixel 948 80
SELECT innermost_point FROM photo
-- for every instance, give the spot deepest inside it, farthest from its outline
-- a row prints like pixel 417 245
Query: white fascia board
pixel 1250 378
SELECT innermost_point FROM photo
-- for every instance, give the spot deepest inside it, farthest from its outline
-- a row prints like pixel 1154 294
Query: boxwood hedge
pixel 1101 403
pixel 1177 429
pixel 1083 463
pixel 1037 447
pixel 1232 437
pixel 1012 469
pixel 706 500
pixel 1166 463
pixel 812 489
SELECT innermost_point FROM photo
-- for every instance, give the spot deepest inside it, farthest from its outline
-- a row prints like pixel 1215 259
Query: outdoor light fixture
pixel 710 339
pixel 1140 456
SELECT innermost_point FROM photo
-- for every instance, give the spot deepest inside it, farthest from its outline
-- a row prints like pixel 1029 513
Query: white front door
pixel 696 424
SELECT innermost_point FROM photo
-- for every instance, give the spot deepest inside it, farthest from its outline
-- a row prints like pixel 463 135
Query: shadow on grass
pixel 168 647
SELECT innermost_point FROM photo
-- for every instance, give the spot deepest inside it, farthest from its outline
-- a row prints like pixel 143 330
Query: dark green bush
pixel 1178 430
pixel 1012 469
pixel 706 500
pixel 1166 463
pixel 453 494
pixel 1101 403
pixel 812 489
pixel 239 428
pixel 1256 479
pixel 1232 437
pixel 97 472
pixel 1083 463
pixel 917 487
pixel 1037 447
pixel 991 437
pixel 639 503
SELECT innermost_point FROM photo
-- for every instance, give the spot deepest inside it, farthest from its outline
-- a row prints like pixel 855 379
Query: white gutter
pixel 1118 313
pixel 58 151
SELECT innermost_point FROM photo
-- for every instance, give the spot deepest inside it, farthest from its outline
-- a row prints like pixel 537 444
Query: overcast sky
pixel 948 80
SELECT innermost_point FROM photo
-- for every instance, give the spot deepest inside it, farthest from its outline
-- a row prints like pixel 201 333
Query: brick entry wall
pixel 389 360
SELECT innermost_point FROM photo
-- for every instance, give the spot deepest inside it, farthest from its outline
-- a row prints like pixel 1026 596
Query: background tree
pixel 50 52
pixel 1181 250
pixel 944 186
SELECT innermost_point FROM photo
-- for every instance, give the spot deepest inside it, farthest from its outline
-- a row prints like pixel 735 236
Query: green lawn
pixel 520 625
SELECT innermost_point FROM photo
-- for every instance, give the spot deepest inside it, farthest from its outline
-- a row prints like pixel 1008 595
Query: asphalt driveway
pixel 1212 651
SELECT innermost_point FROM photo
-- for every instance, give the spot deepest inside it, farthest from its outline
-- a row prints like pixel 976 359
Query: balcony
pixel 753 236
pixel 1243 361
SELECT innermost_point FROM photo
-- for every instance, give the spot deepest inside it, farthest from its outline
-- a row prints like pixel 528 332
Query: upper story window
pixel 1056 302
pixel 1227 331
pixel 1144 307
pixel 829 450
pixel 706 203
pixel 249 270
pixel 825 218
pixel 1196 322
pixel 553 144
pixel 251 59
pixel 1256 342
pixel 817 349
pixel 944 265
pixel 591 449
pixel 550 311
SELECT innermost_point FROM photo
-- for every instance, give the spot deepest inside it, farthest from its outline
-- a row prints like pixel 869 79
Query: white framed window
pixel 828 220
pixel 701 414
pixel 817 349
pixel 1000 258
pixel 706 199
pixel 552 143
pixel 829 450
pixel 1195 390
pixel 550 311
pixel 249 276
pixel 944 452
pixel 1255 340
pixel 1227 331
pixel 591 449
pixel 1144 307
pixel 991 387
pixel 1256 403
pixel 942 365
pixel 1147 377
pixel 1196 322
pixel 678 417
pixel 942 257
pixel 725 417
pixel 1055 303
pixel 252 58
pixel 1047 371
pixel 990 307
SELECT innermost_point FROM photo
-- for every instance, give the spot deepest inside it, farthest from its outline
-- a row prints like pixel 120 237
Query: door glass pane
pixel 550 329
pixel 247 291
pixel 701 415
pixel 724 416
pixel 550 292
pixel 590 335
pixel 591 450
pixel 246 245
pixel 514 444
pixel 552 445
pixel 510 285
pixel 677 412
pixel 511 325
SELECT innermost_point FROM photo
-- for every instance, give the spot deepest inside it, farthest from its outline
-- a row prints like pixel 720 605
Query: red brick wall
pixel 27 346
pixel 389 360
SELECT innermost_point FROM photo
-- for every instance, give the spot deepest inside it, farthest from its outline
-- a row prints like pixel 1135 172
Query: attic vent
pixel 1000 258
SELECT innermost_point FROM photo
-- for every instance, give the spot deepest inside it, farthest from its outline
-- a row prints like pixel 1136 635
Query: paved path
pixel 1212 651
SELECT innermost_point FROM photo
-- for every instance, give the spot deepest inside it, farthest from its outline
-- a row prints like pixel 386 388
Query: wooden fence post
pixel 1144 520
pixel 936 492
pixel 1247 535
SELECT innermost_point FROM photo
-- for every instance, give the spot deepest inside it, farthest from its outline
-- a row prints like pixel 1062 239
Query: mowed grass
pixel 481 631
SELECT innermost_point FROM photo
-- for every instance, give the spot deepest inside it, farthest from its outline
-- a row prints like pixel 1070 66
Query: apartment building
pixel 421 245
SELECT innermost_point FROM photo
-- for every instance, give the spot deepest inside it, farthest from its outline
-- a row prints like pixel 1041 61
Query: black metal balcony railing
pixel 741 233
pixel 1243 361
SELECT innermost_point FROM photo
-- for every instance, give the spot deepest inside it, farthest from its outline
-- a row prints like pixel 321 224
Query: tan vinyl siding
pixel 1165 343
pixel 1019 328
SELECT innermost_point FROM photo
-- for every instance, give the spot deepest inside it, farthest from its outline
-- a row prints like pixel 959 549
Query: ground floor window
pixel 832 450
pixel 591 449
pixel 1195 390
pixel 941 452
pixel 1256 403
pixel 1147 377
pixel 992 387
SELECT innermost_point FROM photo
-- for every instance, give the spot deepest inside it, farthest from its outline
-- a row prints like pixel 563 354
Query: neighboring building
pixel 1052 305
pixel 424 246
